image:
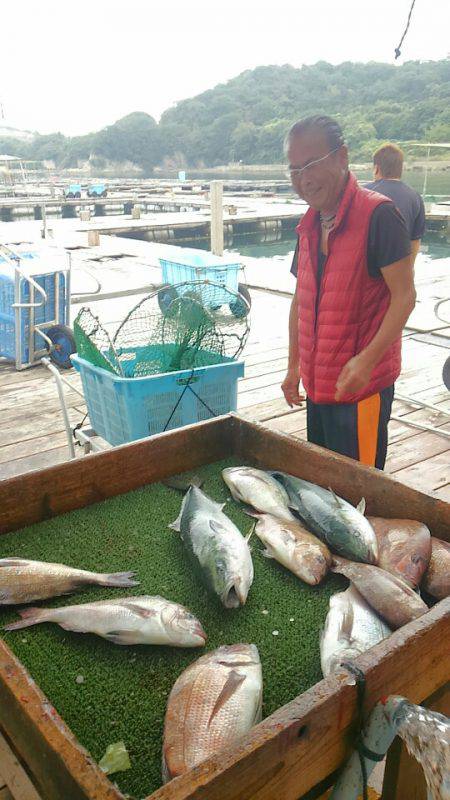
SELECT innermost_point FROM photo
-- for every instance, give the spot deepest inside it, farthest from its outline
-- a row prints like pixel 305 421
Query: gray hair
pixel 328 126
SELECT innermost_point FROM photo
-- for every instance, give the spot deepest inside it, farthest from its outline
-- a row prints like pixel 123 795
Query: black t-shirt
pixel 387 243
pixel 408 202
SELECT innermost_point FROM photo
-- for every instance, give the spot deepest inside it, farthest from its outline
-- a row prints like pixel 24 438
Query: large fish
pixel 128 620
pixel 351 628
pixel 404 547
pixel 24 581
pixel 436 580
pixel 218 546
pixel 294 547
pixel 388 595
pixel 258 489
pixel 340 525
pixel 215 700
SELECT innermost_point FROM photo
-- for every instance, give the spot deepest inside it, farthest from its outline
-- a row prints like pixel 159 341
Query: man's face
pixel 321 184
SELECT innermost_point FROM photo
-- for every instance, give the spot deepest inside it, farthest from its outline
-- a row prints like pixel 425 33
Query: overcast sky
pixel 78 66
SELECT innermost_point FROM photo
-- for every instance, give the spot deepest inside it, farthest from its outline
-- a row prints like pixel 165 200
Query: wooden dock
pixel 32 434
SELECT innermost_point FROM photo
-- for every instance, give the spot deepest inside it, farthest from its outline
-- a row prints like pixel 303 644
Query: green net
pixel 182 327
pixel 93 342
pixel 179 327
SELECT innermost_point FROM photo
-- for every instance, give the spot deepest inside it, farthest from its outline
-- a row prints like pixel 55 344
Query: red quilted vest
pixel 351 304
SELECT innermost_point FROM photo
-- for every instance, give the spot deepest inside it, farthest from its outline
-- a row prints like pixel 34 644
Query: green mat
pixel 124 689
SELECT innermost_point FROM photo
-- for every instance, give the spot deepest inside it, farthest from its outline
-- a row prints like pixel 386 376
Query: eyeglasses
pixel 297 172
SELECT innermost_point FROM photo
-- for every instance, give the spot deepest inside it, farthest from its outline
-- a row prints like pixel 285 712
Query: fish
pixel 404 548
pixel 294 547
pixel 127 620
pixel 216 700
pixel 340 525
pixel 24 581
pixel 259 490
pixel 388 595
pixel 351 628
pixel 217 545
pixel 436 580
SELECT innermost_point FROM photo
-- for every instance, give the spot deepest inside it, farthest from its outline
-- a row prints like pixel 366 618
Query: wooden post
pixel 44 221
pixel 216 197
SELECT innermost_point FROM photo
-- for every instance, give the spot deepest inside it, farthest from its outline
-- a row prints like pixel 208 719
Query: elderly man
pixel 355 292
pixel 387 173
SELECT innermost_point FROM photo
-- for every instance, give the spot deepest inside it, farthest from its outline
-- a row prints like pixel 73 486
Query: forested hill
pixel 246 118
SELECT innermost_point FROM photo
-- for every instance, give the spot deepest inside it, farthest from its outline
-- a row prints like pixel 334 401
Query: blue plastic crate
pixel 42 314
pixel 195 265
pixel 124 409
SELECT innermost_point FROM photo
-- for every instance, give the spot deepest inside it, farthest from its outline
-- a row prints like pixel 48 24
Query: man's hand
pixel 354 377
pixel 290 388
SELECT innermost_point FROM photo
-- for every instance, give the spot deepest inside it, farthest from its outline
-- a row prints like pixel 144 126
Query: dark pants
pixel 358 430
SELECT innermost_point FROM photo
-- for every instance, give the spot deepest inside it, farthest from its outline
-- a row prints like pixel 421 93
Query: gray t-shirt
pixel 408 202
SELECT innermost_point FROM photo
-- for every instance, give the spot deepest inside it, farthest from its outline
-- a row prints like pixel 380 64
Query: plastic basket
pixel 124 409
pixel 198 266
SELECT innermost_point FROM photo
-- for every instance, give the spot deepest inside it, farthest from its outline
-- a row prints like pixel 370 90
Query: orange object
pixel 368 420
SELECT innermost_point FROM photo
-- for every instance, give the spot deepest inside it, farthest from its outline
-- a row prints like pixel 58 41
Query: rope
pixel 188 386
pixel 397 49
pixel 79 425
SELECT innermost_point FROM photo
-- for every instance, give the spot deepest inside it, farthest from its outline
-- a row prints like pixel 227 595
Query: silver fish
pixel 340 525
pixel 128 620
pixel 294 547
pixel 388 595
pixel 215 700
pixel 436 580
pixel 24 581
pixel 258 489
pixel 217 545
pixel 351 628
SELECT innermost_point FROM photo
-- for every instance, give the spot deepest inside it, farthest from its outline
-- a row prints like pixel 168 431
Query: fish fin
pixel 30 616
pixel 251 532
pixel 361 507
pixel 140 611
pixel 250 511
pixel 346 625
pixel 231 685
pixel 119 579
pixel 267 554
pixel 176 524
pixel 335 497
pixel 121 637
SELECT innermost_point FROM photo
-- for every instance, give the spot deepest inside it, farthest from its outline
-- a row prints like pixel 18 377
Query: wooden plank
pixel 431 474
pixel 42 494
pixel 46 458
pixel 32 447
pixel 416 449
pixel 404 777
pixel 61 767
pixel 19 784
pixel 35 424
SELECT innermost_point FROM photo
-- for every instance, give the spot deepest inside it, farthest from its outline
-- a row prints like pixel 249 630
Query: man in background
pixel 387 171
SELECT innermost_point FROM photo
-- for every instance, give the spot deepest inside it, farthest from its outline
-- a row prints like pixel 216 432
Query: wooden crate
pixel 305 741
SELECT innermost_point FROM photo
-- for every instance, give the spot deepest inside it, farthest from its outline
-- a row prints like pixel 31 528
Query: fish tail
pixel 176 525
pixel 30 616
pixel 118 579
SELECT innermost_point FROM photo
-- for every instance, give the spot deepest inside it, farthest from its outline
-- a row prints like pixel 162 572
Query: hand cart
pixel 35 305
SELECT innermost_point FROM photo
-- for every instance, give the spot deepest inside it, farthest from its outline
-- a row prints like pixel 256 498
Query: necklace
pixel 327 222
